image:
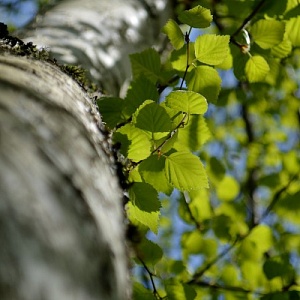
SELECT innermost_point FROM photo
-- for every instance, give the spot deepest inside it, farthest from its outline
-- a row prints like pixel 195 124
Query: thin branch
pixel 197 275
pixel 187 40
pixel 187 201
pixel 276 197
pixel 151 275
pixel 250 182
pixel 217 286
pixel 249 18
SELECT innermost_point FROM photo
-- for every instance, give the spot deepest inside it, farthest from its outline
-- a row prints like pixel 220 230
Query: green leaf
pixel 224 227
pixel 212 49
pixel 268 33
pixel 283 49
pixel 144 196
pixel 206 81
pixel 185 171
pixel 179 291
pixel 140 90
pixel 262 236
pixel 239 63
pixel 256 69
pixel 293 31
pixel 152 172
pixel 149 252
pixel 167 143
pixel 230 275
pixel 198 17
pixel 111 110
pixel 289 207
pixel 144 205
pixel 149 219
pixel 179 57
pixel 191 242
pixel 146 63
pixel 216 170
pixel 174 33
pixel 228 189
pixel 135 143
pixel 277 267
pixel 187 101
pixel 152 117
pixel 141 293
pixel 193 135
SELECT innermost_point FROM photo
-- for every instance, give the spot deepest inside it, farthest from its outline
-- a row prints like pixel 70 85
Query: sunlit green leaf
pixel 185 171
pixel 283 49
pixel 200 204
pixel 268 33
pixel 252 274
pixel 179 57
pixel 179 291
pixel 152 117
pixel 191 243
pixel 149 219
pixel 293 31
pixel 152 171
pixel 228 189
pixel 230 275
pixel 146 63
pixel 262 236
pixel 193 135
pixel 198 17
pixel 212 49
pixel 135 144
pixel 141 293
pixel 187 101
pixel 256 68
pixel 206 81
pixel 174 33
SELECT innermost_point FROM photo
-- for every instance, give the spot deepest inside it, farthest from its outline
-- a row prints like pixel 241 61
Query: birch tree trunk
pixel 61 215
pixel 99 35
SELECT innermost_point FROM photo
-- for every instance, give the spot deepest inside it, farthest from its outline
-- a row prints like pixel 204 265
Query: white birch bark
pixel 61 219
pixel 99 35
pixel 61 227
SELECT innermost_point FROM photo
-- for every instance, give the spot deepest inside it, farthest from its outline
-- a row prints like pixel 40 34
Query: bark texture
pixel 100 35
pixel 61 219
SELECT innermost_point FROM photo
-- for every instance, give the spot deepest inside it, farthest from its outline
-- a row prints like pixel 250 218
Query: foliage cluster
pixel 230 229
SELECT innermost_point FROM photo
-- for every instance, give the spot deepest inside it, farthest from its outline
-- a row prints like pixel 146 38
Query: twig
pixel 250 183
pixel 187 40
pixel 217 286
pixel 276 197
pixel 187 201
pixel 151 275
pixel 197 275
pixel 249 18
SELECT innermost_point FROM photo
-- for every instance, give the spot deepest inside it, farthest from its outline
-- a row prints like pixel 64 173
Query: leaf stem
pixel 187 40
